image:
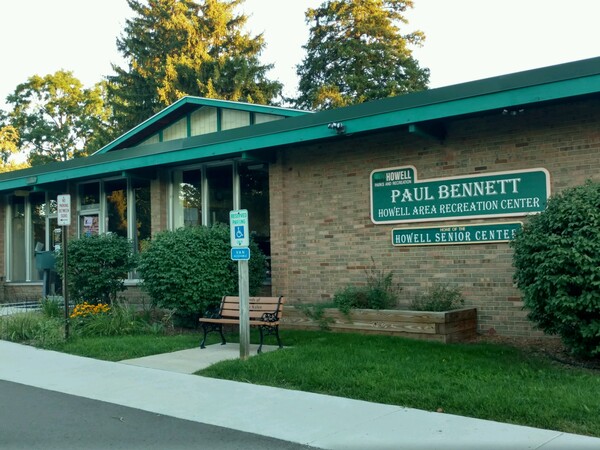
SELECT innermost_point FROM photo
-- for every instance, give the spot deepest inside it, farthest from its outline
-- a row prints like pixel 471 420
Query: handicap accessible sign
pixel 238 223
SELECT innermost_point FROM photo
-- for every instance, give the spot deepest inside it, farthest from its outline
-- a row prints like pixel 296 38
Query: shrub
pixel 439 298
pixel 379 293
pixel 316 312
pixel 32 327
pixel 190 269
pixel 97 267
pixel 556 257
pixel 52 307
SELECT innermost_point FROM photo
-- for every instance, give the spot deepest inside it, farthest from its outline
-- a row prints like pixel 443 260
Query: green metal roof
pixel 556 83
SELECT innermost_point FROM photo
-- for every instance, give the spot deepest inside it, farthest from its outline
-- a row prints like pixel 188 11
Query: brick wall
pixel 21 292
pixel 3 220
pixel 323 239
pixel 159 202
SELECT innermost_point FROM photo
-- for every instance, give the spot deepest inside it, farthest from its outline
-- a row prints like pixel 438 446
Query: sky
pixel 465 39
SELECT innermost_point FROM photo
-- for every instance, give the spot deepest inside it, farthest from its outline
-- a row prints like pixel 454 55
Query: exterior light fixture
pixel 512 112
pixel 339 127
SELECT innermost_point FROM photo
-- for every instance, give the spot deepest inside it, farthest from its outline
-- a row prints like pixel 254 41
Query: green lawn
pixel 487 381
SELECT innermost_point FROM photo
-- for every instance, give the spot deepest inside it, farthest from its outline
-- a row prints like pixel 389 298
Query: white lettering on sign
pixel 398 175
pixel 479 188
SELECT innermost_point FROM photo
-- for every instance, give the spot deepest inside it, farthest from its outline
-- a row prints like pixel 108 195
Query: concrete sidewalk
pixel 161 384
pixel 195 359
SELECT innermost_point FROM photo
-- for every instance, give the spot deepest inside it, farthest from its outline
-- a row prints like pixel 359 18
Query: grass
pixel 487 381
pixel 118 348
pixel 483 380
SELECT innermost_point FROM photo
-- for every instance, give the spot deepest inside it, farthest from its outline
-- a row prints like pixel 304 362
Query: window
pixel 205 195
pixel 143 212
pixel 125 209
pixel 187 209
pixel 39 213
pixel 230 118
pixel 89 210
pixel 220 193
pixel 262 118
pixel 17 261
pixel 176 131
pixel 115 192
pixel 254 195
pixel 203 121
pixel 31 225
pixel 103 206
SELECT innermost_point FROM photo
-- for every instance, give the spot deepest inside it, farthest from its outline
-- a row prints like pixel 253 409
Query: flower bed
pixel 445 326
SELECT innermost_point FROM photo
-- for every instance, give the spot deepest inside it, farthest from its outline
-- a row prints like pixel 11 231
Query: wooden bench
pixel 264 313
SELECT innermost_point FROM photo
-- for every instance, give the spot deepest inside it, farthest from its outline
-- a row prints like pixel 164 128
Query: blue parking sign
pixel 240 253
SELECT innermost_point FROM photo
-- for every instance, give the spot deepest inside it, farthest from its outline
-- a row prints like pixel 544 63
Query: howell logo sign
pixel 398 197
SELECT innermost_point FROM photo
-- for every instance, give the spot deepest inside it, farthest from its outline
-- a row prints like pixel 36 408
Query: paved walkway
pixel 162 384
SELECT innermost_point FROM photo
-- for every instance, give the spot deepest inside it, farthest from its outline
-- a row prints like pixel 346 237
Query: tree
pixel 557 261
pixel 56 118
pixel 356 53
pixel 181 47
pixel 9 141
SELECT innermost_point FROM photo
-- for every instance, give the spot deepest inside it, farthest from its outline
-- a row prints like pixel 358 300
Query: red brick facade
pixel 323 239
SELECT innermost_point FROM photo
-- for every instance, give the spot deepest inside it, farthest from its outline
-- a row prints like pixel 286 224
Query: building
pixel 430 185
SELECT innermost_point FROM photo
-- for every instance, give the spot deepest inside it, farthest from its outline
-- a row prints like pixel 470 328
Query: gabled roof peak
pixel 186 104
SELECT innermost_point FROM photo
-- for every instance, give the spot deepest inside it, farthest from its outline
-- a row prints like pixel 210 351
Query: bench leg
pixel 204 337
pixel 278 338
pixel 207 328
pixel 223 342
pixel 271 330
pixel 261 340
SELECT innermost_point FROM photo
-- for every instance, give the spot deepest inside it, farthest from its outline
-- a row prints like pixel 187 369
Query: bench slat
pixel 251 314
pixel 236 321
pixel 259 308
pixel 273 300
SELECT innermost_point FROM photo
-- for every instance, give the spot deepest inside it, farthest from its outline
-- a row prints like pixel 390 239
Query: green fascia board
pixel 441 103
pixel 473 105
pixel 201 101
pixel 586 71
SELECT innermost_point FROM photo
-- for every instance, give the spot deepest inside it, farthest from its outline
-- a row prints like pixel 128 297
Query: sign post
pixel 64 220
pixel 240 252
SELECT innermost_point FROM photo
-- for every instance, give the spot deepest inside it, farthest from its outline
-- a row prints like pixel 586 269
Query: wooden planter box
pixel 446 326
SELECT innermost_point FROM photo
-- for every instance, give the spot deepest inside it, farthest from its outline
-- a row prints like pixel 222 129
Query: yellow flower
pixel 86 309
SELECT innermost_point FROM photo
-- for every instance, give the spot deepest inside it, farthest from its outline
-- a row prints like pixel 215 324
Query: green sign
pixel 455 234
pixel 398 197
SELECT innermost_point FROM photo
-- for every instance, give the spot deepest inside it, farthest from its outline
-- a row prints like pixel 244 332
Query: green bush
pixel 97 267
pixel 557 262
pixel 438 298
pixel 188 270
pixel 380 292
pixel 32 328
pixel 52 306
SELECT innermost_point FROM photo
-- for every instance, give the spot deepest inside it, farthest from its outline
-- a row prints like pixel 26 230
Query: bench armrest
pixel 212 313
pixel 269 317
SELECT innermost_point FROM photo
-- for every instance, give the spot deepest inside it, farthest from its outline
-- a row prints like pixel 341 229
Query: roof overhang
pixel 419 113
